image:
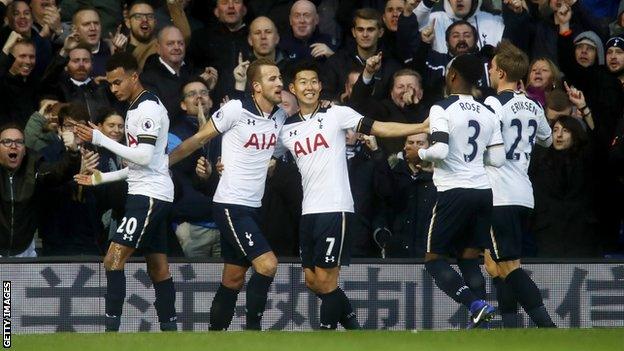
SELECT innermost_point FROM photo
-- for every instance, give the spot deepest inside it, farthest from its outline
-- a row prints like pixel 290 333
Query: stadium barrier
pixel 67 295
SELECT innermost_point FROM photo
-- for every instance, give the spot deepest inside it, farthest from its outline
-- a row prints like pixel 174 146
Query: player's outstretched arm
pixel 394 129
pixel 495 155
pixel 141 155
pixel 205 133
pixel 98 177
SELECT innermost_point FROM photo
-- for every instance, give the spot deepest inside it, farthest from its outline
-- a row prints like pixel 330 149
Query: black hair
pixel 103 113
pixel 461 22
pixel 469 67
pixel 124 60
pixel 305 65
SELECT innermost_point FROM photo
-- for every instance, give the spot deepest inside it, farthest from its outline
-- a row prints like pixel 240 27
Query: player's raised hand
pixel 117 41
pixel 85 132
pixel 577 98
pixel 52 19
pixel 320 49
pixel 240 71
pixel 70 42
pixel 203 169
pixel 563 15
pixel 201 117
pixel 373 64
pixel 13 38
pixel 371 142
pixel 210 75
pixel 225 100
pixel 89 161
pixel 428 33
pixel 89 179
pixel 409 7
pixel 516 6
pixel 410 97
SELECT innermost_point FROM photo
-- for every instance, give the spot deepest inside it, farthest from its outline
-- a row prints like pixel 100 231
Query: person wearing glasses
pixel 195 177
pixel 22 175
pixel 142 23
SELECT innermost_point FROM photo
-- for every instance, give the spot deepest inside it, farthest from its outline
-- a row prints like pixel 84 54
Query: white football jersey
pixel 318 143
pixel 147 122
pixel 522 120
pixel 471 128
pixel 249 138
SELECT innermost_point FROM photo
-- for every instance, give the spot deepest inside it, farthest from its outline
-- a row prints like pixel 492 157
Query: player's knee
pixel 158 273
pixel 233 281
pixel 506 267
pixel 266 266
pixel 113 263
pixel 309 282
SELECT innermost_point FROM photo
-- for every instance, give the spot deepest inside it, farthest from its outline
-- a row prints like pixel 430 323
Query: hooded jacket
pixel 489 27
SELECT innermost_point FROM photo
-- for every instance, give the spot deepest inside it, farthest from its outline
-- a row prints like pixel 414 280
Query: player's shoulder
pixel 500 99
pixel 229 108
pixel 446 102
pixel 146 100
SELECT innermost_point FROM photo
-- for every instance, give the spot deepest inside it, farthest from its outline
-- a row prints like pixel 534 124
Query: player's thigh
pixel 310 278
pixel 242 241
pixel 509 225
pixel 328 240
pixel 144 225
pixel 116 256
pixel 448 222
pixel 480 222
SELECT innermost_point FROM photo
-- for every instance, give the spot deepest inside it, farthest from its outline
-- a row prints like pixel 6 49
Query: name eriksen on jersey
pixel 525 105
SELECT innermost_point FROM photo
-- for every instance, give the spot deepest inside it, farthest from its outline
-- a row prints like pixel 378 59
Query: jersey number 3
pixel 472 141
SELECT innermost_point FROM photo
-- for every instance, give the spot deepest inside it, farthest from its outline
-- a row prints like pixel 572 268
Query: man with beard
pixel 69 78
pixel 142 21
pixel 615 57
pixel 461 38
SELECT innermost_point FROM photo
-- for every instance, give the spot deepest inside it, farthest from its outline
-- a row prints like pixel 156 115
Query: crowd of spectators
pixel 385 58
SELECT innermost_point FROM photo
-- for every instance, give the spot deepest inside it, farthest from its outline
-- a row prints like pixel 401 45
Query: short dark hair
pixel 103 113
pixel 367 13
pixel 253 71
pixel 469 67
pixel 447 34
pixel 558 100
pixel 195 79
pixel 75 111
pixel 81 46
pixel 138 2
pixel 305 65
pixel 124 60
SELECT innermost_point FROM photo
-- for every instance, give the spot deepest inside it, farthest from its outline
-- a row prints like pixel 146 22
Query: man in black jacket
pixel 18 85
pixel 69 77
pixel 22 175
pixel 367 31
pixel 165 73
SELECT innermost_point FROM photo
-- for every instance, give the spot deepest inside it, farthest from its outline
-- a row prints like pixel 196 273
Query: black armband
pixel 440 137
pixel 146 139
pixel 365 126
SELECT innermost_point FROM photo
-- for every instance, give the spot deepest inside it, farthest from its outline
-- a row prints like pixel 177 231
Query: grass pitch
pixel 482 340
